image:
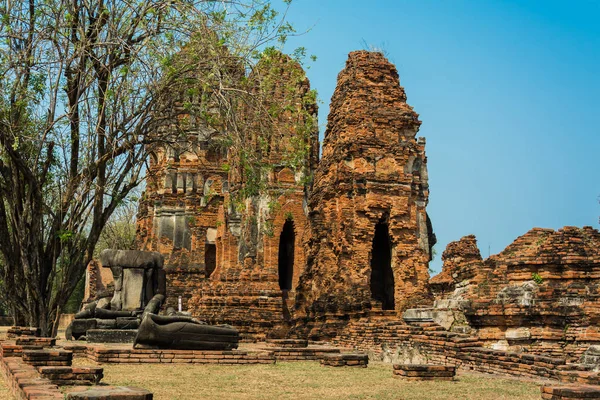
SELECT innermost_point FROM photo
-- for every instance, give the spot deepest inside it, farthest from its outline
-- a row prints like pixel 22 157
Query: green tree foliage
pixel 82 93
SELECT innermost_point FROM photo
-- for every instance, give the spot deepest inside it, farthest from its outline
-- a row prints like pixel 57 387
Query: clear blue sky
pixel 508 92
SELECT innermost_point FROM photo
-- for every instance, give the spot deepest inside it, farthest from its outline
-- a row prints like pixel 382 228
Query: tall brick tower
pixel 371 238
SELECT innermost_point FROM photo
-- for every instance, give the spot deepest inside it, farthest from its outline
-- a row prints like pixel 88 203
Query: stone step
pixel 109 393
pixel 418 315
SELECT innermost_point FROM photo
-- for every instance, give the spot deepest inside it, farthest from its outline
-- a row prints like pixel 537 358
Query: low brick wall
pixel 264 355
pixel 288 343
pixel 47 357
pixel 15 331
pixel 429 343
pixel 10 349
pixel 37 374
pixel 128 355
pixel 25 383
pixel 35 341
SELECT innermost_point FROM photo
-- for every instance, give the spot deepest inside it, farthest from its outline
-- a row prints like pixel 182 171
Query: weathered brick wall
pixel 540 294
pixel 246 290
pixel 373 171
pixel 97 280
pixel 178 216
pixel 462 260
pixel 222 251
pixel 429 343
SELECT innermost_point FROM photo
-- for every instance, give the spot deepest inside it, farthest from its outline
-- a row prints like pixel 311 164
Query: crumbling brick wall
pixel 461 261
pixel 97 280
pixel 540 294
pixel 178 214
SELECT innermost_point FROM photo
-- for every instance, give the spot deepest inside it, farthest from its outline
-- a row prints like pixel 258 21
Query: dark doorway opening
pixel 382 276
pixel 286 255
pixel 210 258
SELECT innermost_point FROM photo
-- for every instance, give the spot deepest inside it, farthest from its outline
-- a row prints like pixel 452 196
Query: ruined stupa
pixel 371 237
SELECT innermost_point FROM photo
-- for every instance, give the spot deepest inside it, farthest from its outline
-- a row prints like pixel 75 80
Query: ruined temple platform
pixel 247 353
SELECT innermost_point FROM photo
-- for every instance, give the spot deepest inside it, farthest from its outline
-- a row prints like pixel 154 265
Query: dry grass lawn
pixel 4 392
pixel 304 380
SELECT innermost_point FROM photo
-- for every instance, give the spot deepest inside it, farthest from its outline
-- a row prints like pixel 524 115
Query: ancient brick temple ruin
pixel 338 247
pixel 236 261
pixel 355 238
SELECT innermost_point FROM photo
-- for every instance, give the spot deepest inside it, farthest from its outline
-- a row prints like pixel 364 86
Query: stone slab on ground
pixel 111 335
pixel 289 343
pixel 345 360
pixel 424 372
pixel 109 393
pixel 301 354
pixel 418 315
pixel 579 392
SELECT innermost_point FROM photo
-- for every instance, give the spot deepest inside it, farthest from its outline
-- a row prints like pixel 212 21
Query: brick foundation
pixel 345 360
pixel 289 343
pixel 55 358
pixel 424 372
pixel 15 331
pixel 70 376
pixel 24 381
pixel 33 341
pixel 302 354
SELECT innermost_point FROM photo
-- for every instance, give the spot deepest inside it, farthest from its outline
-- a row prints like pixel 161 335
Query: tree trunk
pixel 19 319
